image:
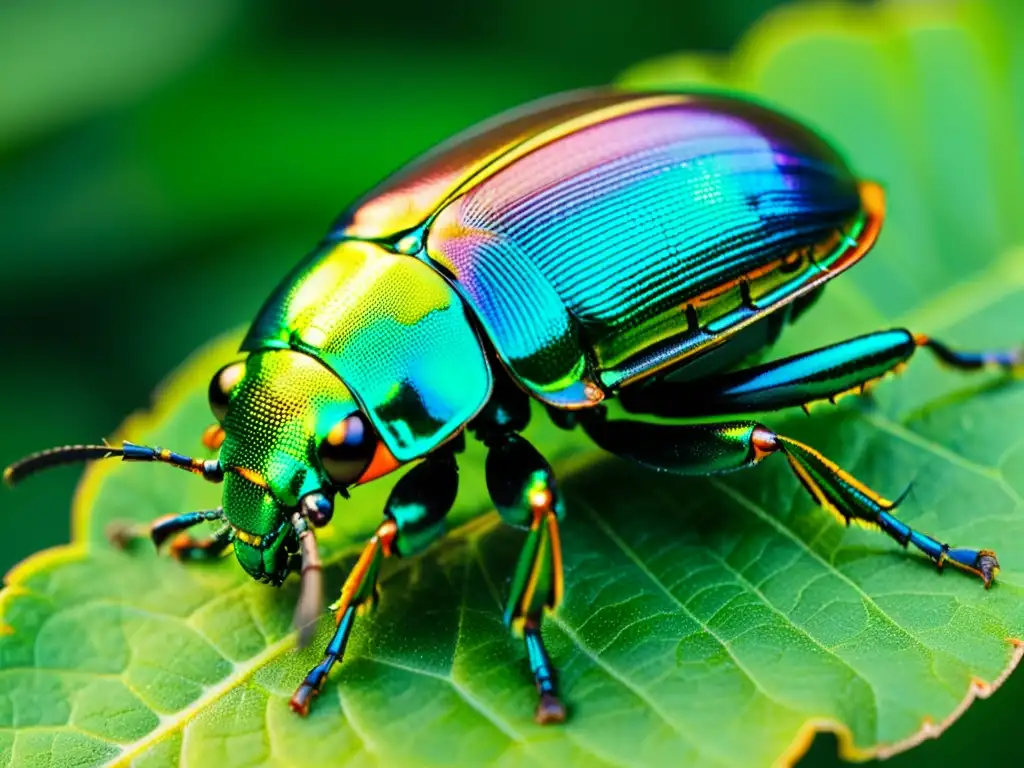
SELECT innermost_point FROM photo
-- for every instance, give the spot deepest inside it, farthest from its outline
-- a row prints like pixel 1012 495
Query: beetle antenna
pixel 311 590
pixel 210 469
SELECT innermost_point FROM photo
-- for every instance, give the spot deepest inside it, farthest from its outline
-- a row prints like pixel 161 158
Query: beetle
pixel 594 245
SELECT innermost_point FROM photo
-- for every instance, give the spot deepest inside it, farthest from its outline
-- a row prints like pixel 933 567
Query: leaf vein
pixel 940 451
pixel 755 509
pixel 463 693
pixel 799 628
pixel 607 530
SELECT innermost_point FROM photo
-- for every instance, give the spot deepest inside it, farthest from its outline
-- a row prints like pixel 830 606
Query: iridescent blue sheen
pixel 596 239
pixel 801 379
pixel 582 257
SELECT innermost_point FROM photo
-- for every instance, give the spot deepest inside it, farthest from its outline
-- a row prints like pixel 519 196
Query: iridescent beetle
pixel 591 245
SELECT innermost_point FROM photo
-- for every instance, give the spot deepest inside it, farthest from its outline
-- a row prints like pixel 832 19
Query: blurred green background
pixel 163 163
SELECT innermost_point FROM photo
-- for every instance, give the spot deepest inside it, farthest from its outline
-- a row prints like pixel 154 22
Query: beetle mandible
pixel 592 245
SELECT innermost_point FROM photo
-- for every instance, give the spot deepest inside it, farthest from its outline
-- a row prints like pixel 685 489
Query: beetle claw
pixel 982 562
pixel 303 697
pixel 550 710
pixel 988 566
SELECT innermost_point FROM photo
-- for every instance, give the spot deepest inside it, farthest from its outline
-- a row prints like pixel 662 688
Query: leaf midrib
pixel 244 670
pixel 170 723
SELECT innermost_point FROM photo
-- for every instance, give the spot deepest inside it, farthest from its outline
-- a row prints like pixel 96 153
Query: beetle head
pixel 291 437
pixel 294 437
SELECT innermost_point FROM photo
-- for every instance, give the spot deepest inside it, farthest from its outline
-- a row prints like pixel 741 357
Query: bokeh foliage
pixel 151 200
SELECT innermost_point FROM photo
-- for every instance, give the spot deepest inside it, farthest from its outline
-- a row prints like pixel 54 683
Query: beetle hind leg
pixel 702 449
pixel 550 708
pixel 821 375
pixel 838 491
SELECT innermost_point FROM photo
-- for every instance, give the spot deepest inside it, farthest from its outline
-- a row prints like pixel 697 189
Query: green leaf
pixel 706 622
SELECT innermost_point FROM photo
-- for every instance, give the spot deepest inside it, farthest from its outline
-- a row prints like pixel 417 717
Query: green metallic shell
pixel 597 239
pixel 393 330
pixel 609 236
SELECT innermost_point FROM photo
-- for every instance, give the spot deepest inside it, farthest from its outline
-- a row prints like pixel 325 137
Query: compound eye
pixel 348 449
pixel 221 387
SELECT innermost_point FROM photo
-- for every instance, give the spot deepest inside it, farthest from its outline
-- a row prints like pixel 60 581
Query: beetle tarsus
pixel 981 562
pixel 550 708
pixel 310 687
pixel 988 566
pixel 1009 360
pixel 300 701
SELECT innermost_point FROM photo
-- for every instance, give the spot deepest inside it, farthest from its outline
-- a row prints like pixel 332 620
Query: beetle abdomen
pixel 613 250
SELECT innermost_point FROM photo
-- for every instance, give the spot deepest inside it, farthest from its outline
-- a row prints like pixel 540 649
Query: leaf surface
pixel 713 622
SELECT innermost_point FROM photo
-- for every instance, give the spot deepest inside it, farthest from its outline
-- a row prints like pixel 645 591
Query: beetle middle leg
pixel 702 449
pixel 414 518
pixel 822 374
pixel 522 486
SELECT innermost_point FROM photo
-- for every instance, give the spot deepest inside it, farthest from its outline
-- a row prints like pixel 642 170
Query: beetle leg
pixel 823 374
pixel 415 514
pixel 359 589
pixel 122 534
pixel 685 449
pixel 701 449
pixel 1009 360
pixel 841 493
pixel 522 486
pixel 185 547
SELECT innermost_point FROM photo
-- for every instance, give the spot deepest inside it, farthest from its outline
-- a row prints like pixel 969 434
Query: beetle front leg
pixel 702 449
pixel 183 547
pixel 822 374
pixel 522 486
pixel 414 514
